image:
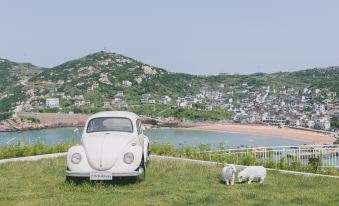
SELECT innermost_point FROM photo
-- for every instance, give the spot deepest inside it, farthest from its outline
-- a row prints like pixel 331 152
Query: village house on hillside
pixel 106 105
pixel 164 100
pixel 52 102
pixel 120 94
pixel 183 103
pixel 81 102
pixel 126 83
pixel 118 102
pixel 145 98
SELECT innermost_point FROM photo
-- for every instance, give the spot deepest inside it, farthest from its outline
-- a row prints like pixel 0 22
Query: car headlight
pixel 128 158
pixel 76 158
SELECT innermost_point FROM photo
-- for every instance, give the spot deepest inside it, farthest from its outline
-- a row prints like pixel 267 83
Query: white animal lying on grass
pixel 228 174
pixel 252 173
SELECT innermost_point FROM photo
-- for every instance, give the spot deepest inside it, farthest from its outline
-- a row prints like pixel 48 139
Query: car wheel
pixel 142 176
pixel 71 179
pixel 148 156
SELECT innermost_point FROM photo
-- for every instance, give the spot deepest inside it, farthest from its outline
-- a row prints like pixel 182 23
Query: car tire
pixel 71 179
pixel 148 156
pixel 142 176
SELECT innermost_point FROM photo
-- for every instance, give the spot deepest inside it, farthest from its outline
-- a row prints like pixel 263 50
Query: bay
pixel 175 137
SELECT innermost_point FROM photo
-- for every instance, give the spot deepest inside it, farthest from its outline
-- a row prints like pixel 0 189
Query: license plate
pixel 100 176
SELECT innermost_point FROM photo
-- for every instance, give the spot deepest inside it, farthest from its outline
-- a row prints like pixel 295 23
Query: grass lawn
pixel 167 183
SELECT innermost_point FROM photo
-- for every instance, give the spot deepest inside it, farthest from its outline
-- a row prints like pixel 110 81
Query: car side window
pixel 139 126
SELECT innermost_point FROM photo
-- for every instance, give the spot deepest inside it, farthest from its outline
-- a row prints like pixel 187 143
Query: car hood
pixel 104 149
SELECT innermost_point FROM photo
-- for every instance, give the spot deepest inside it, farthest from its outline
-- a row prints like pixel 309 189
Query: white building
pixel 164 100
pixel 209 107
pixel 126 83
pixel 319 108
pixel 89 89
pixel 184 105
pixel 151 101
pixel 120 94
pixel 52 102
pixel 294 122
pixel 147 95
pixel 336 108
pixel 79 102
pixel 244 118
pixel 106 105
pixel 167 98
pixel 144 98
pixel 322 124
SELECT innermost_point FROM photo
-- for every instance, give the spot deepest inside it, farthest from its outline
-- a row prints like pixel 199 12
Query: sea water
pixel 175 137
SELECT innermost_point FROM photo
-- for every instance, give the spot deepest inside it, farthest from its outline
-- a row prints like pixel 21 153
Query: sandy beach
pixel 312 137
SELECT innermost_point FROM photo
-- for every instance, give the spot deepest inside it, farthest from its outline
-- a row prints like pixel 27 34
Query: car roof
pixel 129 115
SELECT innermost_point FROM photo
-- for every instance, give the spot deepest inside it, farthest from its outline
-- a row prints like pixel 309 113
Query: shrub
pixel 270 164
pixel 283 163
pixel 248 159
pixel 313 164
pixel 296 165
pixel 21 149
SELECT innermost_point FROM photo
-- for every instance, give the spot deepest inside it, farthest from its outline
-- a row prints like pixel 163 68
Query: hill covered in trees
pixel 100 76
pixel 13 84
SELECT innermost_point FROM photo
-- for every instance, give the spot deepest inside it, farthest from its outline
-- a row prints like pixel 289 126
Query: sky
pixel 190 36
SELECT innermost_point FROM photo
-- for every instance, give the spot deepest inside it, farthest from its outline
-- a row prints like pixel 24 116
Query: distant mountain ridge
pixel 120 68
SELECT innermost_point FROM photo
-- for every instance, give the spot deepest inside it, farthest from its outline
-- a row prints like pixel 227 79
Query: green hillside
pixel 158 81
pixel 12 84
pixel 79 74
pixel 99 77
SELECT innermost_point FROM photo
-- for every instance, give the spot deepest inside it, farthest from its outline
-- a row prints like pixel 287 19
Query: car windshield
pixel 118 124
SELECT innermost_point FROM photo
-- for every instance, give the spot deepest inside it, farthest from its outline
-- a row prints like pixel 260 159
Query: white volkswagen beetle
pixel 112 145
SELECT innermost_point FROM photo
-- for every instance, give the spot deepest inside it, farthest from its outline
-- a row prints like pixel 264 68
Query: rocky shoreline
pixel 56 120
pixel 16 128
pixel 35 121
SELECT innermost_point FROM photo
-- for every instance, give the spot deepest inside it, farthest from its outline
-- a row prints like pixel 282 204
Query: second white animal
pixel 252 173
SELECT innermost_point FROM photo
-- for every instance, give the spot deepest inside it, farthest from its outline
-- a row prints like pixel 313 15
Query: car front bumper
pixel 138 172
